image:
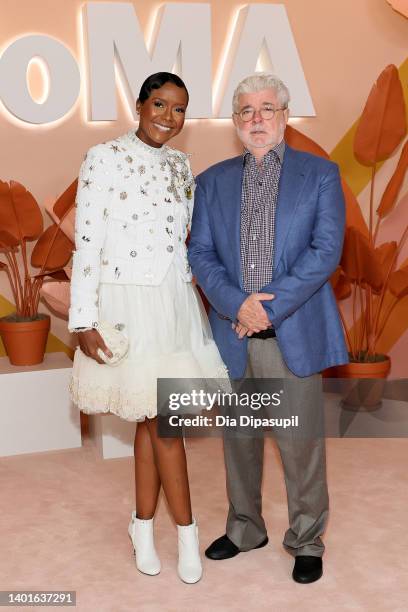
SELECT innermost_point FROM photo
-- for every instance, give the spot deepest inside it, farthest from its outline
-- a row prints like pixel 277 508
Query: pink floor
pixel 64 516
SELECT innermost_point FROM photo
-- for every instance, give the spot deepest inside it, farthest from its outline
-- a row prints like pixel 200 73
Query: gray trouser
pixel 303 457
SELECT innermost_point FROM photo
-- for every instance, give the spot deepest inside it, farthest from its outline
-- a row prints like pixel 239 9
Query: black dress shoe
pixel 223 548
pixel 307 569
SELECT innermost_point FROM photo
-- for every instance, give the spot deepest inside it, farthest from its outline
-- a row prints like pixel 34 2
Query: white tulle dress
pixel 167 327
pixel 169 337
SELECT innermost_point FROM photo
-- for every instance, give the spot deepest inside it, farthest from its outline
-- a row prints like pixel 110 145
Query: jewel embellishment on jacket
pixel 181 178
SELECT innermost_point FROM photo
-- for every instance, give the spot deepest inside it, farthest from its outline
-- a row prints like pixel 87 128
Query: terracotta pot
pixel 363 383
pixel 376 369
pixel 25 341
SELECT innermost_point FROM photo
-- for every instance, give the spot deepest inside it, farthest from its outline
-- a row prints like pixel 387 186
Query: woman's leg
pixel 147 479
pixel 171 464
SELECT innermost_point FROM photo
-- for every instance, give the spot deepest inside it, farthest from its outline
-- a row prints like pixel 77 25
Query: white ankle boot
pixel 141 534
pixel 189 566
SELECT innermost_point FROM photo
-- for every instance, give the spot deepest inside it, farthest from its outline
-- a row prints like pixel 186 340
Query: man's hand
pixel 90 341
pixel 252 314
pixel 241 330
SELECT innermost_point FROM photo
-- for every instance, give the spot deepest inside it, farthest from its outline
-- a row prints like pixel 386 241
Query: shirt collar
pixel 278 150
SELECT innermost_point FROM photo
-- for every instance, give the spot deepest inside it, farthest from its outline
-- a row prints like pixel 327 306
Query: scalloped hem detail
pixel 94 399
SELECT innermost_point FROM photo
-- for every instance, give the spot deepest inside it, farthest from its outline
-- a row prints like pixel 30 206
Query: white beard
pixel 246 139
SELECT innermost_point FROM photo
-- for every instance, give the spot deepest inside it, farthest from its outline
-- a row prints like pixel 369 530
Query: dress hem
pixel 93 399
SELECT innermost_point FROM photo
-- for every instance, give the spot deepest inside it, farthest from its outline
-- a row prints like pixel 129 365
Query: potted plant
pixel 368 273
pixel 56 291
pixel 24 332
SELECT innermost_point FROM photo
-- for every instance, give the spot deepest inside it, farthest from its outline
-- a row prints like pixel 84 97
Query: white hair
pixel 258 82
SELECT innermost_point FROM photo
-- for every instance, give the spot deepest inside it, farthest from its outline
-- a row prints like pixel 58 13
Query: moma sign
pixel 116 54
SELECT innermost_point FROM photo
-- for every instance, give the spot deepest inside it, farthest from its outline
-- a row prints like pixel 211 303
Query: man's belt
pixel 264 334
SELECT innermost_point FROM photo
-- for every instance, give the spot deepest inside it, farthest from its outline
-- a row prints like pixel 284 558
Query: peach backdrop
pixel 343 47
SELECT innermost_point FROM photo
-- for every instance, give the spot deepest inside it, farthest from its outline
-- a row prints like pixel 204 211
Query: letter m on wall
pixel 182 44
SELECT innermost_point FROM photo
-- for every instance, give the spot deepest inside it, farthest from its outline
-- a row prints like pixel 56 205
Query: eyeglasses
pixel 266 112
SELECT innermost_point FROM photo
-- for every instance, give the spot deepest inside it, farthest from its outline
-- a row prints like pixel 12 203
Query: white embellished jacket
pixel 133 208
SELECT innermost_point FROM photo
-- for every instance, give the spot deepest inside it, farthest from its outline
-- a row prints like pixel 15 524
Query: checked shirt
pixel 258 208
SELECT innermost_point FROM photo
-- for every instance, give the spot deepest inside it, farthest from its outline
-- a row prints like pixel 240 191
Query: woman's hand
pixel 90 341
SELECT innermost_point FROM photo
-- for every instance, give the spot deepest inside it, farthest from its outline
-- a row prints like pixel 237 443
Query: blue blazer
pixel 309 231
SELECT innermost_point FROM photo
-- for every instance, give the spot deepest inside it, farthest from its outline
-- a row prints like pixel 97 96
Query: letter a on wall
pixel 263 35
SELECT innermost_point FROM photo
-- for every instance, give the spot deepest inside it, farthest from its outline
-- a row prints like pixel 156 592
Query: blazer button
pixel 170 248
pixel 170 219
pixel 133 253
pixel 135 216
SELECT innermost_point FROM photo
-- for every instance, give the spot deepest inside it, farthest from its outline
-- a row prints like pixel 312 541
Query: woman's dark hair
pixel 157 80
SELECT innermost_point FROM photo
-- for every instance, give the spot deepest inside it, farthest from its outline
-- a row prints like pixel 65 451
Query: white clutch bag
pixel 116 342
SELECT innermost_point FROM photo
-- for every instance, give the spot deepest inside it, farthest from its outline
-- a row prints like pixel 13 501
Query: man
pixel 267 233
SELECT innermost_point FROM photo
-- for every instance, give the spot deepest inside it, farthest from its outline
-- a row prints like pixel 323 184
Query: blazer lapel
pixel 229 187
pixel 290 187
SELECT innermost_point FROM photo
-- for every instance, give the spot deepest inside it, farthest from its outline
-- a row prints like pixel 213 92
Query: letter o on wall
pixel 64 78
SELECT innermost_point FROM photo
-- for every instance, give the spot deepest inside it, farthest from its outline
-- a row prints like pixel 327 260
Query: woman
pixel 130 269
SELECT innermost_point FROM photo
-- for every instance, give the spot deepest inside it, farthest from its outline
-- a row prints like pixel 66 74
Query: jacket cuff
pixel 82 317
pixel 235 300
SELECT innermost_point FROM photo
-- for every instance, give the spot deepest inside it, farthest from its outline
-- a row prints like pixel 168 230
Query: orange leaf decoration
pixel 354 216
pixel 20 214
pixel 351 257
pixel 382 124
pixel 341 285
pixel 7 241
pixel 66 201
pixel 394 185
pixel 59 275
pixel 360 261
pixel 62 212
pixel 385 254
pixel 53 250
pixel 67 225
pixel 398 284
pixel 299 141
pixel 57 296
pixel 400 5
